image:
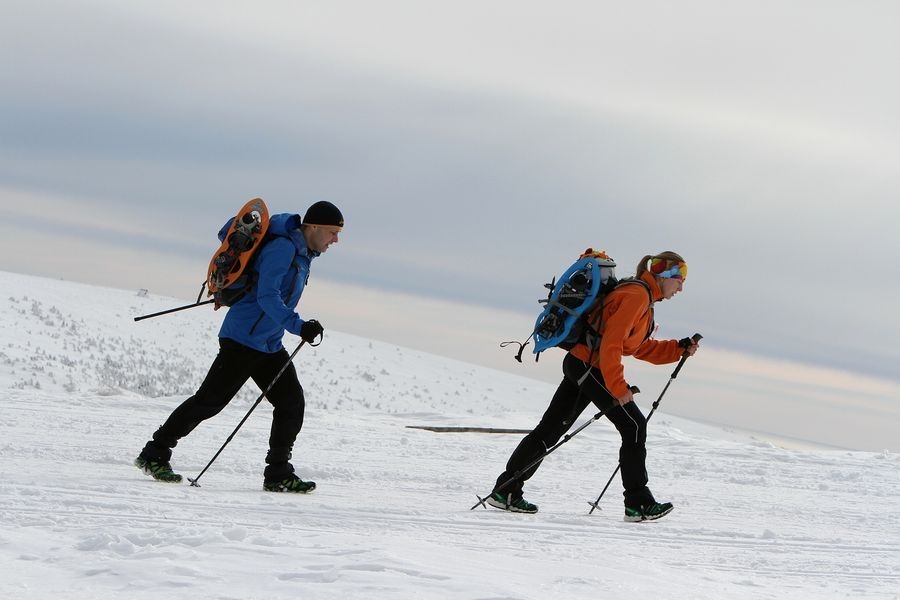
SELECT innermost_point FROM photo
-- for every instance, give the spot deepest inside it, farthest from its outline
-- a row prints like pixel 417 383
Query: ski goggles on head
pixel 669 269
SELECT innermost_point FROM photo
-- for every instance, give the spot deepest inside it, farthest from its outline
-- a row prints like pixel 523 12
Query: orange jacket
pixel 626 321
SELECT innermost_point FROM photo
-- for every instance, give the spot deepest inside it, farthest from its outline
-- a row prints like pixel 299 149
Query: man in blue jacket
pixel 250 346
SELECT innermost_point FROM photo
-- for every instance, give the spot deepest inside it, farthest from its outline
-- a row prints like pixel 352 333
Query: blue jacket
pixel 281 266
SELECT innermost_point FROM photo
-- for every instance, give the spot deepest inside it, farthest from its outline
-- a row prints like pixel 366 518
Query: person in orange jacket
pixel 594 373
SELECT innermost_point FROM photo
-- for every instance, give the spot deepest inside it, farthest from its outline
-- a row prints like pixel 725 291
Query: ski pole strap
pixel 521 347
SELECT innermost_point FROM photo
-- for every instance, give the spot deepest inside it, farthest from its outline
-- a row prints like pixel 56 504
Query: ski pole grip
pixel 634 389
pixel 694 338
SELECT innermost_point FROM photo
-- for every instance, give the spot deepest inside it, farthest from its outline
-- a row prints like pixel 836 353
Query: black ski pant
pixel 231 369
pixel 567 404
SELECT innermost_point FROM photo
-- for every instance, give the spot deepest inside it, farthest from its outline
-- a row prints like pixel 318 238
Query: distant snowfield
pixel 82 387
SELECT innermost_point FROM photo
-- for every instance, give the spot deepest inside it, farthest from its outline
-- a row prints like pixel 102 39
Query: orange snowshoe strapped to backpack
pixel 242 239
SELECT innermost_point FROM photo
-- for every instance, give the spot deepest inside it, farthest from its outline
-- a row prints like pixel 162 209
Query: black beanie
pixel 323 213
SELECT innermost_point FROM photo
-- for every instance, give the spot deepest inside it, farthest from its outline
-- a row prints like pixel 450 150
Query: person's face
pixel 670 286
pixel 322 236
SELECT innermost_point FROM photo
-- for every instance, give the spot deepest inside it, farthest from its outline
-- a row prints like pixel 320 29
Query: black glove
pixel 690 344
pixel 310 330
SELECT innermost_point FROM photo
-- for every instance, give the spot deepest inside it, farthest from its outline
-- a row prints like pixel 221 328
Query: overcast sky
pixel 475 148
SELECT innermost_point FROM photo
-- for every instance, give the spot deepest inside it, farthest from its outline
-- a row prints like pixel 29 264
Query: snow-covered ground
pixel 82 386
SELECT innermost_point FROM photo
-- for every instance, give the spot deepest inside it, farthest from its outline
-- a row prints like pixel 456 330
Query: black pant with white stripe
pixel 567 404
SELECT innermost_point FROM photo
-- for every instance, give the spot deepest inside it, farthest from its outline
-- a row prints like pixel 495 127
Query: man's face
pixel 320 237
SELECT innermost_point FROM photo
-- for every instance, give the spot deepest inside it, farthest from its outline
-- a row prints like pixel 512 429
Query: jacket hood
pixel 655 290
pixel 288 225
pixel 284 223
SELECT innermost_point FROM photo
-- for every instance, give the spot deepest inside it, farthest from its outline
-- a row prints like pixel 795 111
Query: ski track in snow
pixel 82 387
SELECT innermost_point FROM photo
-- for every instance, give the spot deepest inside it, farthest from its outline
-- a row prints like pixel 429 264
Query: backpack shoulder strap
pixel 646 285
pixel 597 313
pixel 643 283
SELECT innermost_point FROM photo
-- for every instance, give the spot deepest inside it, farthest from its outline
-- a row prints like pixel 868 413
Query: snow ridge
pixel 82 386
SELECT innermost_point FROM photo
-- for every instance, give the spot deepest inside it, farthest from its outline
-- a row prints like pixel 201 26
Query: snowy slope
pixel 82 386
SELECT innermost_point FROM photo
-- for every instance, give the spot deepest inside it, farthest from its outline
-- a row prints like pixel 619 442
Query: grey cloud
pixel 457 193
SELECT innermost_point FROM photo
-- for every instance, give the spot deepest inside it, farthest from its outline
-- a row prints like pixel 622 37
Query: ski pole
pixel 186 306
pixel 525 469
pixel 171 310
pixel 695 338
pixel 255 404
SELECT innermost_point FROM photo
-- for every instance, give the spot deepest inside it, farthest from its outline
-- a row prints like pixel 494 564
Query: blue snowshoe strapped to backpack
pixel 576 292
pixel 583 285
